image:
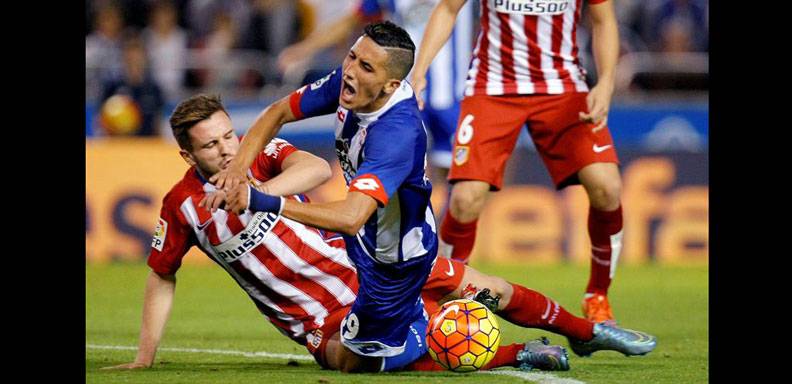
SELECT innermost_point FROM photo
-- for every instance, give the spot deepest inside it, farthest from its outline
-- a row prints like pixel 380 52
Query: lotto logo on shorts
pixel 461 155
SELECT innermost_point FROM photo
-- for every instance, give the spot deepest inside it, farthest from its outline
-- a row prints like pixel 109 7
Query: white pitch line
pixel 214 351
pixel 541 378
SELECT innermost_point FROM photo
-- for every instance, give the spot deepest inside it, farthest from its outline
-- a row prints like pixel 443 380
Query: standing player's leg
pixel 575 153
pixel 485 137
pixel 603 186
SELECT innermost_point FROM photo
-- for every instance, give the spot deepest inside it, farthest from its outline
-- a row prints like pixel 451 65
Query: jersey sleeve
pixel 318 98
pixel 596 1
pixel 172 238
pixel 269 162
pixel 389 153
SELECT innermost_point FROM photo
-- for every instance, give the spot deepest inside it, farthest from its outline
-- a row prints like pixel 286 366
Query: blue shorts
pixel 442 125
pixel 388 301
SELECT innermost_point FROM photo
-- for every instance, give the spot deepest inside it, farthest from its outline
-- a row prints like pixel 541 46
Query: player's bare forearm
pixel 264 128
pixel 346 216
pixel 605 40
pixel 157 304
pixel 301 173
pixel 438 30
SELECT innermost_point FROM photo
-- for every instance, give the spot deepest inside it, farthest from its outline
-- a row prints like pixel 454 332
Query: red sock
pixel 424 363
pixel 605 231
pixel 528 308
pixel 461 236
pixel 506 356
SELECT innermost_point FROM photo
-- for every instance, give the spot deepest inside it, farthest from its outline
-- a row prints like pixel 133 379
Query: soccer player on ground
pixel 446 75
pixel 525 70
pixel 297 276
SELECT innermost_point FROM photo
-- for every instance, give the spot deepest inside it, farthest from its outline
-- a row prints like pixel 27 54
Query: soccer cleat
pixel 539 354
pixel 612 338
pixel 596 309
pixel 482 296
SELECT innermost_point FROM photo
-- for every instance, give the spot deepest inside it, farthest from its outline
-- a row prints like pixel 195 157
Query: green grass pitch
pixel 211 312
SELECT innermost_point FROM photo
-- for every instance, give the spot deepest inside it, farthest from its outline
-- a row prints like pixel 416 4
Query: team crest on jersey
pixel 532 7
pixel 461 155
pixel 159 235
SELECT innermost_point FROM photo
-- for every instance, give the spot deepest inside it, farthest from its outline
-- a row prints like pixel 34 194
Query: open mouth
pixel 347 91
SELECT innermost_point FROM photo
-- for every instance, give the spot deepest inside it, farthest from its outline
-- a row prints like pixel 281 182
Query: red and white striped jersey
pixel 294 274
pixel 527 47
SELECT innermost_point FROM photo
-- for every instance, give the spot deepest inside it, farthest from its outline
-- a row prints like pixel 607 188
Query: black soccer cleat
pixel 539 354
pixel 482 296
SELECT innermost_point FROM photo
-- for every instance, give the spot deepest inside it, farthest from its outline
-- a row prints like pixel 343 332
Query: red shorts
pixel 445 277
pixel 489 126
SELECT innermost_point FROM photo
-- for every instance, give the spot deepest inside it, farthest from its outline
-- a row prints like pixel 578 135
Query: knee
pixel 605 194
pixel 467 203
pixel 502 288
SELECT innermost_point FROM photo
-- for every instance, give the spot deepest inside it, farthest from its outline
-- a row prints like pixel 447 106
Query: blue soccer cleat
pixel 612 338
pixel 539 354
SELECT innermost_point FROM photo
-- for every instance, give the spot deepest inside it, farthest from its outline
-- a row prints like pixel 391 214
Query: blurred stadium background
pixel 154 53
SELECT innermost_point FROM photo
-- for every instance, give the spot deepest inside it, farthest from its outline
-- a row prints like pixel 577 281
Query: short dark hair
pixel 398 44
pixel 190 112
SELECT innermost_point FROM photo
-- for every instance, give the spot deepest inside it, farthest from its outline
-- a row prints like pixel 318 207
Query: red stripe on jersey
pixel 507 55
pixel 289 307
pixel 203 213
pixel 234 224
pixel 311 288
pixel 317 258
pixel 558 63
pixel 534 55
pixel 483 53
pixel 294 102
pixel 578 6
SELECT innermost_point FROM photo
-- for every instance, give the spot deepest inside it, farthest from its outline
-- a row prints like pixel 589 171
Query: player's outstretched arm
pixel 438 30
pixel 605 38
pixel 156 310
pixel 345 216
pixel 302 172
pixel 264 128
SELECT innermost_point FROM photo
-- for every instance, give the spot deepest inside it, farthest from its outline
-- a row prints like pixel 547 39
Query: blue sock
pixel 414 348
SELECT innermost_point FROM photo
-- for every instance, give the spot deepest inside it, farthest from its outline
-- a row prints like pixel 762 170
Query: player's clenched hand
pixel 228 178
pixel 598 102
pixel 419 84
pixel 134 365
pixel 213 201
pixel 237 199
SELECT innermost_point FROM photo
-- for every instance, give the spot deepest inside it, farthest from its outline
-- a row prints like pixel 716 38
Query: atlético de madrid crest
pixel 461 155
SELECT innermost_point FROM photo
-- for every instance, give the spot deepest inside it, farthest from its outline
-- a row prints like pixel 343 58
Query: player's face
pixel 366 82
pixel 214 144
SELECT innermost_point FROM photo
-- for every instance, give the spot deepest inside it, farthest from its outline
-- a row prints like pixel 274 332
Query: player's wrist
pixel 262 202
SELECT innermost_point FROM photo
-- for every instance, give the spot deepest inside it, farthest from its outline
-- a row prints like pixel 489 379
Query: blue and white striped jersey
pixel 383 155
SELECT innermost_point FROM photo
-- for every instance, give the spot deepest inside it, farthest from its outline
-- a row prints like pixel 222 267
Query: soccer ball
pixel 120 115
pixel 463 335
